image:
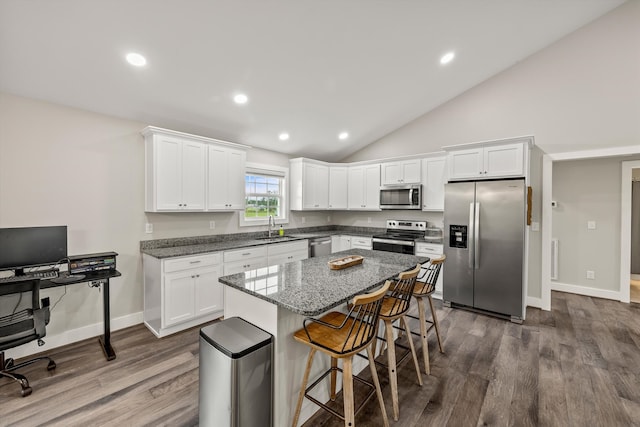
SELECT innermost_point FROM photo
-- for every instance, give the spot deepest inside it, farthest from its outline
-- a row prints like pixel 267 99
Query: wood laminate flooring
pixel 577 365
pixel 635 290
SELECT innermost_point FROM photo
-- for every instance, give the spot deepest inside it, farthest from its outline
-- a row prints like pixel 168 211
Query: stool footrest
pixel 331 410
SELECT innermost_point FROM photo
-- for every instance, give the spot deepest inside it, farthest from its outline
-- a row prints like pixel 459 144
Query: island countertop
pixel 309 287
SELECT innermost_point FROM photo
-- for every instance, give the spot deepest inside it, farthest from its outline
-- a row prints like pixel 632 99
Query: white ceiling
pixel 312 68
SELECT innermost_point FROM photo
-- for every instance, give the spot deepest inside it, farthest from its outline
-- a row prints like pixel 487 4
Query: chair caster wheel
pixel 51 366
pixel 26 391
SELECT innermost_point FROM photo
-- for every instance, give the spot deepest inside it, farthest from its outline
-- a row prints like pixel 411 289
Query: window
pixel 265 194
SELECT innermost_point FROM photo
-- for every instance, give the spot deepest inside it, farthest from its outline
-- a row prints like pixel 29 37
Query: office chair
pixel 22 320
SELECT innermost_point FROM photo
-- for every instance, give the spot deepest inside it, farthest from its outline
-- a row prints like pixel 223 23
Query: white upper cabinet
pixel 434 178
pixel 338 184
pixel 225 178
pixel 401 172
pixel 309 187
pixel 487 161
pixel 186 172
pixel 364 187
pixel 175 174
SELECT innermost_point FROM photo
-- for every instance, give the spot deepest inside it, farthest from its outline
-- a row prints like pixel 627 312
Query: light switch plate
pixel 591 225
pixel 212 225
pixel 535 226
pixel 148 228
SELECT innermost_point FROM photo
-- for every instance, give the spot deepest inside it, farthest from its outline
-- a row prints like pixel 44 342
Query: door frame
pixel 625 228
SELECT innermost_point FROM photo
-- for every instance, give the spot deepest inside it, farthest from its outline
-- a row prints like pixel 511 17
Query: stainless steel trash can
pixel 235 375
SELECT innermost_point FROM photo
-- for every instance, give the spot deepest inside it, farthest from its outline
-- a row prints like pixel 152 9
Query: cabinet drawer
pixel 283 248
pixel 244 265
pixel 245 253
pixel 361 242
pixel 184 263
pixel 429 249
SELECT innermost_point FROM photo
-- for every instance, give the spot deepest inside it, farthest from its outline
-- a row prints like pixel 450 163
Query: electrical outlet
pixel 591 274
pixel 328 218
pixel 303 220
pixel 148 228
pixel 212 225
pixel 368 220
pixel 535 226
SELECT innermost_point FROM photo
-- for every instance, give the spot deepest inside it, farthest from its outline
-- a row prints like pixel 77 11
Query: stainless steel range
pixel 400 237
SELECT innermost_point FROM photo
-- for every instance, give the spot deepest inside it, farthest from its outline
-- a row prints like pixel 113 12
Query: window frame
pixel 276 171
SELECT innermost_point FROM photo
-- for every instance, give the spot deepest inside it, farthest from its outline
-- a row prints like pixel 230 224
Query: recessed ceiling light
pixel 240 98
pixel 136 59
pixel 283 136
pixel 343 135
pixel 447 57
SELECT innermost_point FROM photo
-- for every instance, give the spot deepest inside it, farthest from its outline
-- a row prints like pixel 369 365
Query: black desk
pixel 102 277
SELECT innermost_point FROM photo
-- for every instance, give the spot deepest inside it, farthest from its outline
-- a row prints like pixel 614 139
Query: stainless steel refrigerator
pixel 484 227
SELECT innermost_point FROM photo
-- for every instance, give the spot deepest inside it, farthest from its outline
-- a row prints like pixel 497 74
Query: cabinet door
pixel 338 184
pixel 226 178
pixel 434 173
pixel 236 160
pixel 193 175
pixel 355 188
pixel 464 164
pixel 372 187
pixel 315 186
pixel 391 173
pixel 345 243
pixel 168 174
pixel 411 171
pixel 208 291
pixel 504 160
pixel 179 297
pixel 335 244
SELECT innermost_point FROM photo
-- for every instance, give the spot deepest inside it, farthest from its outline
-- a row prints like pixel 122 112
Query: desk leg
pixel 105 340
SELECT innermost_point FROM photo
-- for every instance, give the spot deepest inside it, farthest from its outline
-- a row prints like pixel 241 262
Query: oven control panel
pixel 399 224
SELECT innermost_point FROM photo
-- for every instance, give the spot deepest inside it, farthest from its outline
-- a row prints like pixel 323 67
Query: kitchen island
pixel 277 298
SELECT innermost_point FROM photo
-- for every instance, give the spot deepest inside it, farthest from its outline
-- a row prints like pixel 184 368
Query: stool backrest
pixel 400 292
pixel 429 275
pixel 364 313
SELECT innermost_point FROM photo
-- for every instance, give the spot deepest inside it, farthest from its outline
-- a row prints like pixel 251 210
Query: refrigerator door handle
pixel 476 237
pixel 471 236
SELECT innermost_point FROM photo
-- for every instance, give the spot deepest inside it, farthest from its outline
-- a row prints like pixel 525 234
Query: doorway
pixel 629 277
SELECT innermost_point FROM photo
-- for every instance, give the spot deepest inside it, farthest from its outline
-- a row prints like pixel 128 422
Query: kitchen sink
pixel 276 238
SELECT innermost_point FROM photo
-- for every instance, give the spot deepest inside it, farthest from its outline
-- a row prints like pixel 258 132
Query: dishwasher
pixel 319 246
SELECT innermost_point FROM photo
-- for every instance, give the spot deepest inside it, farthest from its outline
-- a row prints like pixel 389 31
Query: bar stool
pixel 341 336
pixel 425 286
pixel 395 306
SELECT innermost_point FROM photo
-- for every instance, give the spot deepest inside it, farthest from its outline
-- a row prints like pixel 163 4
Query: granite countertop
pixel 201 248
pixel 309 287
pixel 169 248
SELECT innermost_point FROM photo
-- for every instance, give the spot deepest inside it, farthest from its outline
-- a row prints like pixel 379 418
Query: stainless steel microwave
pixel 401 197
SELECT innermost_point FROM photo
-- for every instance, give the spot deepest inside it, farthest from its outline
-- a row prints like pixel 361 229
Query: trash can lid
pixel 235 337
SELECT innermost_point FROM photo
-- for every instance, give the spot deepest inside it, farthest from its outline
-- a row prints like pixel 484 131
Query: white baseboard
pixel 534 302
pixel 584 290
pixel 74 335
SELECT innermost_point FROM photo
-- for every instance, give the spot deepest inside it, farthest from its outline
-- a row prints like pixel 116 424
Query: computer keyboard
pixel 32 275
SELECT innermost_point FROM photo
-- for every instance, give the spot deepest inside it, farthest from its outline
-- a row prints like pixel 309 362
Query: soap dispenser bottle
pixel 281 231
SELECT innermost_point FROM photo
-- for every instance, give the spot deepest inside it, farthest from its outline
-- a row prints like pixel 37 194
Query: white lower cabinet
pixel 433 250
pixel 181 292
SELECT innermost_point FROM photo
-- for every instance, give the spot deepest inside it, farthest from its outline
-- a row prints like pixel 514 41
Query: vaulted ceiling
pixel 312 69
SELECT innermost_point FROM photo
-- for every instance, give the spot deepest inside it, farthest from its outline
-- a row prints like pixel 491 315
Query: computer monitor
pixel 25 247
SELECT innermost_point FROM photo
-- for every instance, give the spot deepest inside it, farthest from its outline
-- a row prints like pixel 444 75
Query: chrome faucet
pixel 271 222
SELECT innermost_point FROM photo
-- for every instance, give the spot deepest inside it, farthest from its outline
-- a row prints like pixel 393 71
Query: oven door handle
pixel 394 242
